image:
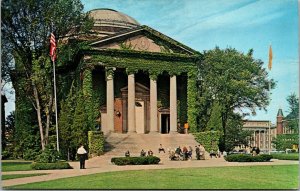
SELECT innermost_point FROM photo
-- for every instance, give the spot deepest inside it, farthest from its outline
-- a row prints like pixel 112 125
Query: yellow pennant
pixel 270 58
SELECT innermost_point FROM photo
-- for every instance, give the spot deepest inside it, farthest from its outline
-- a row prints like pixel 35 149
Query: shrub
pixel 135 160
pixel 248 158
pixel 48 156
pixel 96 143
pixel 30 154
pixel 5 155
pixel 286 156
pixel 50 166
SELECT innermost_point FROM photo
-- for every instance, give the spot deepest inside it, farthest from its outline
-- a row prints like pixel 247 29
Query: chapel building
pixel 144 80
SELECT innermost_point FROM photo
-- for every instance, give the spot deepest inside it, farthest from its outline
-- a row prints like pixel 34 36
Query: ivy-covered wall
pixel 99 86
pixel 133 61
pixel 182 98
pixel 96 143
pixel 192 100
pixel 209 139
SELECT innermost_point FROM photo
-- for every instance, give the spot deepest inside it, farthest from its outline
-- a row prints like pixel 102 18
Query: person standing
pixel 197 153
pixel 82 154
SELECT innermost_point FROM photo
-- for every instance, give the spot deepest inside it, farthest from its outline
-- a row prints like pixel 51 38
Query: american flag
pixel 52 47
pixel 270 58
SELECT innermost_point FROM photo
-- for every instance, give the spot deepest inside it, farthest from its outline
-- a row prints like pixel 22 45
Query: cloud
pixel 246 15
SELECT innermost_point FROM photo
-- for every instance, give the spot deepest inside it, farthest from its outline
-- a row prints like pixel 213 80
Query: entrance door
pixel 140 117
pixel 165 123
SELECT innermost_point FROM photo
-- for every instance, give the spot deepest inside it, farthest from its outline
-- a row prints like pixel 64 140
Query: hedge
pixel 96 143
pixel 209 139
pixel 286 156
pixel 50 166
pixel 248 158
pixel 135 160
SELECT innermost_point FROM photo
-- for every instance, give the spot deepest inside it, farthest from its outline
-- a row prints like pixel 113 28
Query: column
pixel 153 105
pixel 254 139
pixel 173 104
pixel 258 138
pixel 131 103
pixel 264 140
pixel 110 102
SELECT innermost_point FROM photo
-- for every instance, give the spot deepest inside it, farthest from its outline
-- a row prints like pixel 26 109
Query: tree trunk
pixel 48 114
pixel 38 109
pixel 224 121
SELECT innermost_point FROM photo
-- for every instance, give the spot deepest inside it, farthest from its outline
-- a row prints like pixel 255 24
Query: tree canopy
pixel 234 80
pixel 26 27
pixel 293 116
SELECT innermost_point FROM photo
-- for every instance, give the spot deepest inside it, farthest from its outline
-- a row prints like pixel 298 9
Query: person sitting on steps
pixel 161 149
pixel 127 154
pixel 150 153
pixel 143 153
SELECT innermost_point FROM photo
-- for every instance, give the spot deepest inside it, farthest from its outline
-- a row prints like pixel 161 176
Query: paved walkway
pixel 102 164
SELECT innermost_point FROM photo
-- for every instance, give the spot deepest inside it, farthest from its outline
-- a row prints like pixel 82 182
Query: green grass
pixel 290 156
pixel 238 177
pixel 14 176
pixel 15 166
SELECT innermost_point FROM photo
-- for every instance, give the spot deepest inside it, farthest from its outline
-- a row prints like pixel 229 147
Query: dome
pixel 109 21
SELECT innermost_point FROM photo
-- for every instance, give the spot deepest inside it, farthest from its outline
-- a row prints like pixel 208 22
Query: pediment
pixel 142 39
pixel 137 43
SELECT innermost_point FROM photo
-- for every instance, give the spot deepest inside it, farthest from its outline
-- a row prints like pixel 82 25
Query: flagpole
pixel 269 120
pixel 270 67
pixel 57 143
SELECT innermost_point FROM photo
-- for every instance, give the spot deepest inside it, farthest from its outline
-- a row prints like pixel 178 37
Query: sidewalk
pixel 102 164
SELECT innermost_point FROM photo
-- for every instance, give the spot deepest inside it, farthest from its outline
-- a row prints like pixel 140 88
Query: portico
pixel 139 107
pixel 137 70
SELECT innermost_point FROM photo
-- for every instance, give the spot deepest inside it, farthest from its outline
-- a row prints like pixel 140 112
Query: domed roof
pixel 112 15
pixel 109 21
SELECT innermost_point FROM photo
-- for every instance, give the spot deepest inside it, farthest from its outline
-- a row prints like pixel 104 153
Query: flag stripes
pixel 52 47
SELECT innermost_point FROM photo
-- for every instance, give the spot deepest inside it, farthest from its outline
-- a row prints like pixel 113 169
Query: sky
pixel 240 24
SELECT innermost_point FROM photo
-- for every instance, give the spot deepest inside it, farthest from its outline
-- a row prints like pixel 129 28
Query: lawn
pixel 13 176
pixel 239 177
pixel 15 166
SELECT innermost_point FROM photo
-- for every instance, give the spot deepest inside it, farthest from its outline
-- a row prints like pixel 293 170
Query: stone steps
pixel 117 144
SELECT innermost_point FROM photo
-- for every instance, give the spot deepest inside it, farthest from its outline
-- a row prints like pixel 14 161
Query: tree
pixel 237 81
pixel 8 138
pixel 236 135
pixel 293 116
pixel 66 117
pixel 79 126
pixel 26 26
pixel 214 122
pixel 286 141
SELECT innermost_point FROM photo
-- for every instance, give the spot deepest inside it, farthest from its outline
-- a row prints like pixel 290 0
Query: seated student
pixel 150 153
pixel 161 149
pixel 202 152
pixel 184 151
pixel 178 151
pixel 190 153
pixel 197 153
pixel 127 154
pixel 143 153
pixel 212 153
pixel 172 155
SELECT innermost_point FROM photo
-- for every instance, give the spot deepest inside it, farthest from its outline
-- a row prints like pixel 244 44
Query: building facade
pixel 142 76
pixel 263 133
